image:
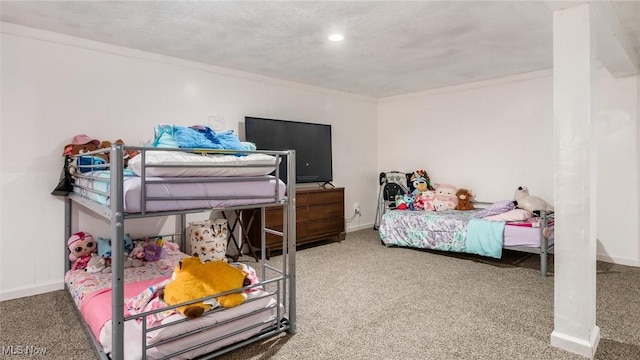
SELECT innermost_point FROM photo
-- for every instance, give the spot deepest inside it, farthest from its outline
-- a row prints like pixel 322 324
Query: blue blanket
pixel 198 137
pixel 485 238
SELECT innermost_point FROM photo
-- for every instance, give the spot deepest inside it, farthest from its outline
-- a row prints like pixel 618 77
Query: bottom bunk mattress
pixel 92 294
pixel 456 231
pixel 213 192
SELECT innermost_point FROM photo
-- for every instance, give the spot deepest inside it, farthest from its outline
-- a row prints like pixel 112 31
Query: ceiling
pixel 390 47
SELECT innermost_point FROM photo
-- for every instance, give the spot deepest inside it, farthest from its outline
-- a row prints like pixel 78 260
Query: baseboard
pixel 30 290
pixel 618 260
pixel 356 227
pixel 575 345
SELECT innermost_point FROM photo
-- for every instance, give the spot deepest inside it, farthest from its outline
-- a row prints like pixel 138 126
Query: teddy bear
pixel 192 279
pixel 464 199
pixel 128 154
pixel 531 203
pixel 81 245
pixel 447 194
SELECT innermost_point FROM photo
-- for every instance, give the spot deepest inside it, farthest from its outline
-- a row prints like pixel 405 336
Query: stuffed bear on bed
pixel 193 279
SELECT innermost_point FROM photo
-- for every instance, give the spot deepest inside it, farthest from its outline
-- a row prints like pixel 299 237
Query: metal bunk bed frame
pixel 286 282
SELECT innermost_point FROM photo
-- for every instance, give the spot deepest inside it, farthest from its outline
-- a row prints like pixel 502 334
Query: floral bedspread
pixel 82 283
pixel 437 230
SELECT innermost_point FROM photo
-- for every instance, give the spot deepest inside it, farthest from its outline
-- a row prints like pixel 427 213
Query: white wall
pixel 55 86
pixel 617 169
pixel 496 135
pixel 490 138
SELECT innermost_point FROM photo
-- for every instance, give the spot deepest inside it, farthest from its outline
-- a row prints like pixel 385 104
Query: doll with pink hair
pixel 81 245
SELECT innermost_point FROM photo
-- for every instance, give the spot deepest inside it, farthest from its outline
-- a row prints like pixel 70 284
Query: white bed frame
pixel 283 280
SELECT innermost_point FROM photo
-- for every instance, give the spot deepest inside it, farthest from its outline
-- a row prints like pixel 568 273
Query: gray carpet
pixel 360 300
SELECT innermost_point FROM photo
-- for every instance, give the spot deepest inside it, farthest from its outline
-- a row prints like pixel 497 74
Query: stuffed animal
pixel 529 202
pixel 128 262
pixel 81 245
pixel 96 264
pixel 193 279
pixel 81 144
pixel 104 246
pixel 426 200
pixel 420 182
pixel 128 154
pixel 439 205
pixel 447 194
pixel 154 252
pixel 464 199
pixel 404 202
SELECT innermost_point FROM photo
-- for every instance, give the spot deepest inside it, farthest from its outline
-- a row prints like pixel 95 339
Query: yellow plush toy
pixel 193 280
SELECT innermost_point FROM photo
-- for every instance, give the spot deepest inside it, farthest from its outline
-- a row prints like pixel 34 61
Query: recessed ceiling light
pixel 336 37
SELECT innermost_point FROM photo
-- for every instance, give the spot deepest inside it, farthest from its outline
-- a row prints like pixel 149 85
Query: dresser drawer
pixel 325 211
pixel 326 197
pixel 274 216
pixel 325 227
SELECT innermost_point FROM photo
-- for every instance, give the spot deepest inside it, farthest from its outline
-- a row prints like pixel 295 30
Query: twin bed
pixel 162 182
pixel 462 231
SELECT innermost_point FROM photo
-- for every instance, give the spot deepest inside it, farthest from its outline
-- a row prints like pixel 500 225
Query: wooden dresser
pixel 319 216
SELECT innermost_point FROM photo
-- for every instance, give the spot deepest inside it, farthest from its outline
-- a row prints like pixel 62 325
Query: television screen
pixel 312 143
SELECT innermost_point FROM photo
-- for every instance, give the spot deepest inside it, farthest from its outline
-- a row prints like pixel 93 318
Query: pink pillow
pixel 511 215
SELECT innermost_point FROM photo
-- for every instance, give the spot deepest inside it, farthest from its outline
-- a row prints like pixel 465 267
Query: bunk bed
pixel 461 231
pixel 161 187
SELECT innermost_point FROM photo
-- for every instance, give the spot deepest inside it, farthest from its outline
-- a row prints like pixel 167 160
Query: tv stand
pixel 324 185
pixel 319 216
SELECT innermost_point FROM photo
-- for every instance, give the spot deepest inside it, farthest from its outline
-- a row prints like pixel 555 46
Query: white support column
pixel 574 65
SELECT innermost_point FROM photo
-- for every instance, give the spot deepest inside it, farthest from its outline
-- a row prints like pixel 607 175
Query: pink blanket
pixel 96 307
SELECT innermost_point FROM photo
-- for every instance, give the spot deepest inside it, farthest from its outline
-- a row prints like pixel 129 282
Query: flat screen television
pixel 312 143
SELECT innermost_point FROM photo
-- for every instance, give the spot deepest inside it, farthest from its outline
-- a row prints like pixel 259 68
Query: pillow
pixel 511 215
pixel 104 246
pixel 496 208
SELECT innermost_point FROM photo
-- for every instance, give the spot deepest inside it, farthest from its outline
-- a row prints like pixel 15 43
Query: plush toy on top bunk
pixel 81 144
pixel 464 199
pixel 529 202
pixel 192 279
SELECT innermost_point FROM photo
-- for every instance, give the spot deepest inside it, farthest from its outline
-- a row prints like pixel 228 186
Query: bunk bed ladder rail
pixel 117 244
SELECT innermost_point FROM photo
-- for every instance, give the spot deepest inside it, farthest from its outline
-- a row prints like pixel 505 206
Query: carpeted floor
pixel 360 300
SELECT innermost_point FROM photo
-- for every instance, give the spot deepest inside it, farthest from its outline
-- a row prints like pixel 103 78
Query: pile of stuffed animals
pixel 424 197
pixel 81 144
pixel 440 197
pixel 95 255
pixel 75 162
pixel 192 279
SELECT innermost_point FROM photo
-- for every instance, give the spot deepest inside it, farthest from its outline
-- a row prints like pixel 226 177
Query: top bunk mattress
pixel 178 163
pixel 189 195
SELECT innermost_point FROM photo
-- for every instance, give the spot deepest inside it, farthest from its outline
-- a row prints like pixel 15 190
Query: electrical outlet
pixel 356 208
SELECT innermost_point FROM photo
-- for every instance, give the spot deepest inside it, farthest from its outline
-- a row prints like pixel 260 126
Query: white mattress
pixel 133 339
pixel 238 192
pixel 253 164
